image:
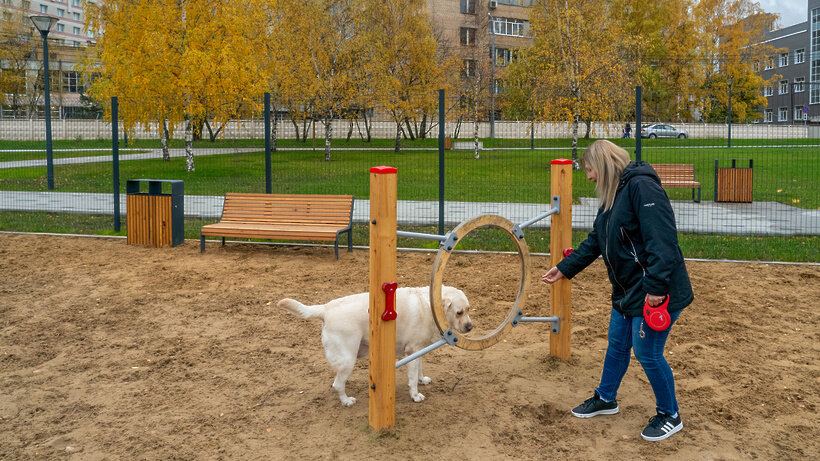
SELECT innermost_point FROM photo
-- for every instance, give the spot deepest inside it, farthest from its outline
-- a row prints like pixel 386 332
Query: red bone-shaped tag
pixel 389 289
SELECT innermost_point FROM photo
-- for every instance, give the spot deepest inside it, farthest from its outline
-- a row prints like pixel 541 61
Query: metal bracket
pixel 554 320
pixel 450 239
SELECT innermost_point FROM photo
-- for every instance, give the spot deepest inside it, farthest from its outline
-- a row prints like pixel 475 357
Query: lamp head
pixel 43 23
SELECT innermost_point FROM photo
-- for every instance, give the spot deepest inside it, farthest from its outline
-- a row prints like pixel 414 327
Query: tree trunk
pixel 189 145
pixel 575 121
pixel 475 123
pixel 409 129
pixel 164 137
pixel 398 137
pixel 349 130
pixel 328 135
pixel 589 128
pixel 295 127
pixel 273 132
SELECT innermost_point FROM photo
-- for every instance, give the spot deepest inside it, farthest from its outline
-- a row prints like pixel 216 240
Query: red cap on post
pixel 383 170
pixel 561 161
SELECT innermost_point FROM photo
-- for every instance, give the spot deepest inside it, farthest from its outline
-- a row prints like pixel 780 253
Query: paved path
pixel 765 218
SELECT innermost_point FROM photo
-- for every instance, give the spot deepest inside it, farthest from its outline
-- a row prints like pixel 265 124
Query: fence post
pixel 268 172
pixel 382 390
pixel 638 123
pixel 115 159
pixel 561 239
pixel 441 162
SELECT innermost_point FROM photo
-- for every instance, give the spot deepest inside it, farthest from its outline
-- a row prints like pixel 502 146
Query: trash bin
pixel 154 218
pixel 733 184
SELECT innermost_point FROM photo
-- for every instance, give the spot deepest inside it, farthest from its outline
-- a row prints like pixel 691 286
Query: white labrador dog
pixel 345 330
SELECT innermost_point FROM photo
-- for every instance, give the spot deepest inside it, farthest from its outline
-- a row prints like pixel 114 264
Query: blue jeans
pixel 627 333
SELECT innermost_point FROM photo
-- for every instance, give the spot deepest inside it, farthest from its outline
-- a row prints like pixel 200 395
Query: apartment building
pixel 477 30
pixel 794 97
pixel 66 43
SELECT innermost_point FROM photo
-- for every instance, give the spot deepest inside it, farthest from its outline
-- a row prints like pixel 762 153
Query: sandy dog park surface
pixel 111 351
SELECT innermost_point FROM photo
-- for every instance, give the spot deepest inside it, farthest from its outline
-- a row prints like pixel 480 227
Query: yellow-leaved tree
pixel 326 43
pixel 575 65
pixel 732 43
pixel 174 62
pixel 403 53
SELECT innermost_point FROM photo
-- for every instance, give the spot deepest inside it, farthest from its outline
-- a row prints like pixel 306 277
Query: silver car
pixel 662 130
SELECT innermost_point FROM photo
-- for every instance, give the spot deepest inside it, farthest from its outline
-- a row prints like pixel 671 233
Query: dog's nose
pixel 468 327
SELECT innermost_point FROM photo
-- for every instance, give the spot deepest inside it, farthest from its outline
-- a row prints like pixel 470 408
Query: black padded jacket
pixel 638 241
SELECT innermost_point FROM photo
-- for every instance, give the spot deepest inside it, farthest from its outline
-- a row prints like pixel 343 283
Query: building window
pixel 76 16
pixel 784 87
pixel 26 5
pixel 769 63
pixel 76 31
pixel 71 82
pixel 76 44
pixel 800 56
pixel 469 69
pixel 768 91
pixel 467 6
pixel 509 26
pixel 798 84
pixel 767 116
pixel 467 36
pixel 784 59
pixel 43 9
pixel 503 56
pixel 75 2
pixel 783 114
pixel 799 114
pixel 60 12
pixel 60 27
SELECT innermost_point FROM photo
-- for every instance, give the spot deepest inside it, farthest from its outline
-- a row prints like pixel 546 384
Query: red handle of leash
pixel 657 317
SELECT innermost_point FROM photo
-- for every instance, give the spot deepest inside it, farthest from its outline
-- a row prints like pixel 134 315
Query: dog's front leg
pixel 423 379
pixel 413 373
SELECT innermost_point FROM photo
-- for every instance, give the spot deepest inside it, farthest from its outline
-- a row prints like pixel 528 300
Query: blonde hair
pixel 609 161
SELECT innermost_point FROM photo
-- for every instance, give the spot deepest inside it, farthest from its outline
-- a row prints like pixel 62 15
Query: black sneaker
pixel 595 406
pixel 661 426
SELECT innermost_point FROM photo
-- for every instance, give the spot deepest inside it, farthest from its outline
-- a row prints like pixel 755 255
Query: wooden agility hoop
pixel 436 303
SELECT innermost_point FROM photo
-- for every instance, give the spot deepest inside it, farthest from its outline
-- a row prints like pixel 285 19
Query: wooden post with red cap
pixel 560 240
pixel 382 389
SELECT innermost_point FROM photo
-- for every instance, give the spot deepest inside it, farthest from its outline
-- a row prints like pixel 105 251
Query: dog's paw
pixel 349 401
pixel 425 380
pixel 418 397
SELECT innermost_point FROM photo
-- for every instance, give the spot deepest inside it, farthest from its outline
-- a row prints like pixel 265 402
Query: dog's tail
pixel 306 312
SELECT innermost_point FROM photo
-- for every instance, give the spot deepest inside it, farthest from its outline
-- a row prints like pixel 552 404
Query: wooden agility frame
pixel 383 238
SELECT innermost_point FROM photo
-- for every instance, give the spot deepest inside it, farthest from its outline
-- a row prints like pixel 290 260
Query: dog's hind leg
pixel 341 354
pixel 423 379
pixel 413 373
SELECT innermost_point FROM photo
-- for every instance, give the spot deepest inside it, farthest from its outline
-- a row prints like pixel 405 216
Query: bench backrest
pixel 288 209
pixel 675 171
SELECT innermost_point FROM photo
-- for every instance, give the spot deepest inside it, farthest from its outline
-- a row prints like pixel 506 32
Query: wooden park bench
pixel 286 217
pixel 678 175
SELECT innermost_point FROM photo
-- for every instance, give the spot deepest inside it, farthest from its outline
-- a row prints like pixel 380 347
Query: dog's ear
pixel 446 303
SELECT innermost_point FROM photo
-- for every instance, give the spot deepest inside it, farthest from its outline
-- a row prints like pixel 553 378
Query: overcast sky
pixel 791 11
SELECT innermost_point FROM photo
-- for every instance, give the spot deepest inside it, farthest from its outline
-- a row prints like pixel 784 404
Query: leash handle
pixel 657 317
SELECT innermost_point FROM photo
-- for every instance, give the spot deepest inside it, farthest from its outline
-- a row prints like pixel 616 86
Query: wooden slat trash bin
pixel 733 184
pixel 155 218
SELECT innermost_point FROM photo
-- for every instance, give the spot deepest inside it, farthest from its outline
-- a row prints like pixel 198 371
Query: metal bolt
pixel 373 222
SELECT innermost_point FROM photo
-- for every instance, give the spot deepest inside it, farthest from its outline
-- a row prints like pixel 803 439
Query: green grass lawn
pixel 784 175
pixel 706 246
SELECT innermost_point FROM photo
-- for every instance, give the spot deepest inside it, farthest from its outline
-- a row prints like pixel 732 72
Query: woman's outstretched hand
pixel 552 276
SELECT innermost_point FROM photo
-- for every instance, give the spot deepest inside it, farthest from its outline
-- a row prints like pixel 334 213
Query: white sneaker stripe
pixel 667 427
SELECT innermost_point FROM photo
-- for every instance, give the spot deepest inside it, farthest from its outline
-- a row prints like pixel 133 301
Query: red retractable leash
pixel 657 317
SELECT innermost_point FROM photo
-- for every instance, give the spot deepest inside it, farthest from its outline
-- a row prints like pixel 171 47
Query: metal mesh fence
pixel 760 181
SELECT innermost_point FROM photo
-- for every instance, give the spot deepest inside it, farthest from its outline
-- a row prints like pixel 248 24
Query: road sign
pixel 805 109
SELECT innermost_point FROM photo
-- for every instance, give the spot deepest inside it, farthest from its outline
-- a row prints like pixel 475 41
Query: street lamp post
pixel 731 81
pixel 492 77
pixel 44 25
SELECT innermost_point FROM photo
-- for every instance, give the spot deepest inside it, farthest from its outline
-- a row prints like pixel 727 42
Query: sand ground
pixel 111 351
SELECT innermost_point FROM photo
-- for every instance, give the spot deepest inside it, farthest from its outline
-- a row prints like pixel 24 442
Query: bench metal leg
pixel 201 243
pixel 336 247
pixel 693 195
pixel 350 240
pixel 223 241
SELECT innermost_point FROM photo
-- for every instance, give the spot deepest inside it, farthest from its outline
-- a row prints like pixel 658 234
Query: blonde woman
pixel 635 233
